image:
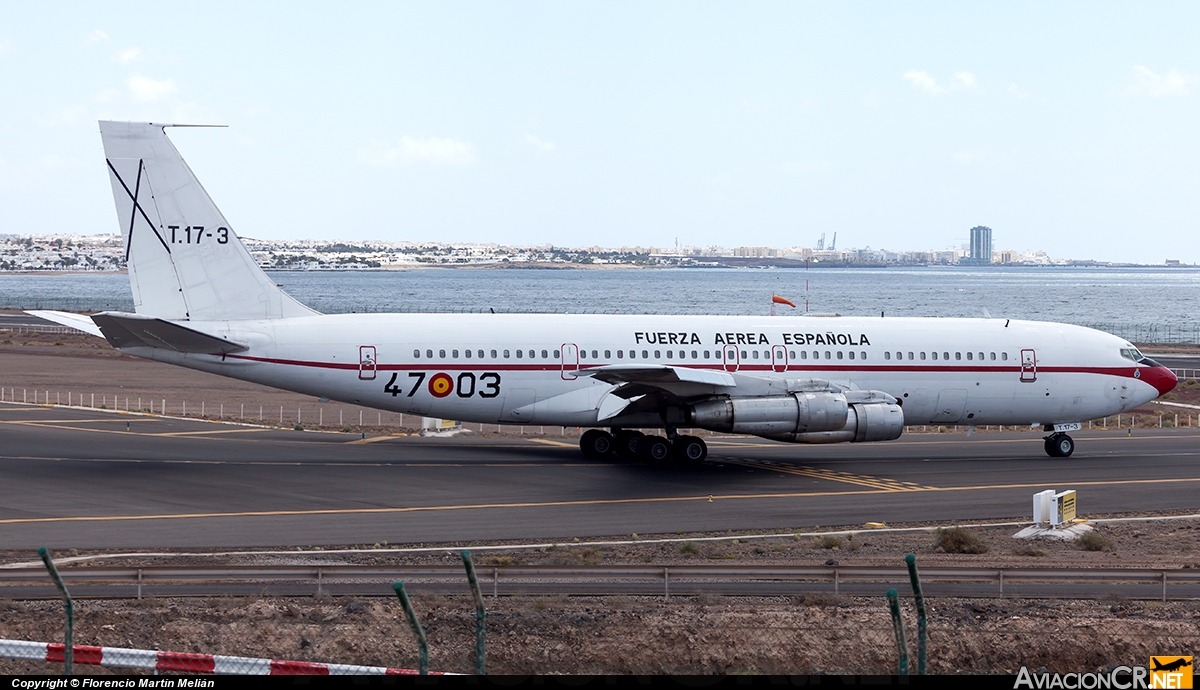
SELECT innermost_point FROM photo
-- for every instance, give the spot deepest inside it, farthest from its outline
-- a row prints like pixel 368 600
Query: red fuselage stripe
pixel 1127 372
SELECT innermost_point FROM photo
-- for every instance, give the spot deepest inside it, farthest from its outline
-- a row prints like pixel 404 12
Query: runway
pixel 76 478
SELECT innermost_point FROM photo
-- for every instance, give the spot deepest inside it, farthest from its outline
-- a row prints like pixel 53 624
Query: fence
pixel 603 580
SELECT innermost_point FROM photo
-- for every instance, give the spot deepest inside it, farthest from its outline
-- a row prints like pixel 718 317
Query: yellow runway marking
pixel 553 443
pixel 35 422
pixel 374 439
pixel 205 433
pixel 554 504
pixel 880 483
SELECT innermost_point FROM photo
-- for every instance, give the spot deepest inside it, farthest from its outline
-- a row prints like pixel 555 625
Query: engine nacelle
pixel 873 422
pixel 774 415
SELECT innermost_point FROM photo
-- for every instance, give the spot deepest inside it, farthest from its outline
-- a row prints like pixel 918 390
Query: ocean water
pixel 1146 304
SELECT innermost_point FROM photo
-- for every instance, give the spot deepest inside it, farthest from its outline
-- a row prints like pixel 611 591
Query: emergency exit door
pixel 1028 366
pixel 366 363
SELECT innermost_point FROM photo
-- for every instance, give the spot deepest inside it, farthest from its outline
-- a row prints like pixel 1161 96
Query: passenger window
pixel 922 356
pixel 828 355
pixel 1004 356
pixel 620 354
pixel 545 355
pixel 658 354
pixel 993 356
pixel 899 355
pixel 467 354
pixel 862 355
pixel 816 354
pixel 416 354
pixel 745 356
pixel 910 356
pixel 980 356
pixel 957 355
pixel 934 354
pixel 595 354
pixel 481 354
pixel 852 354
pixel 791 354
pixel 946 356
pixel 520 353
pixel 506 354
pixel 493 354
pixel 429 354
pixel 669 353
pixel 887 355
pixel 706 354
pixel 608 354
pixel 804 354
pixel 755 354
pixel 557 354
pixel 970 355
pixel 694 355
pixel 441 354
pixel 454 353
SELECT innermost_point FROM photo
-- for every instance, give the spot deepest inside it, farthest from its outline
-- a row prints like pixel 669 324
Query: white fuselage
pixel 520 369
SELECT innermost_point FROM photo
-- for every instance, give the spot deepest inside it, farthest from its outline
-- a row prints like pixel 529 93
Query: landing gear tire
pixel 654 448
pixel 691 450
pixel 596 443
pixel 627 443
pixel 1059 446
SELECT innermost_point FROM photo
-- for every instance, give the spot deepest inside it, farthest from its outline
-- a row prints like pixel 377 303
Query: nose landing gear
pixel 1059 445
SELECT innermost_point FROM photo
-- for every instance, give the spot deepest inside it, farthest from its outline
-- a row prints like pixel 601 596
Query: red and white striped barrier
pixel 152 660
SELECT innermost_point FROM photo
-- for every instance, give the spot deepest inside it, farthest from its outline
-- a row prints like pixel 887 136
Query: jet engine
pixel 805 417
pixel 772 415
pixel 864 422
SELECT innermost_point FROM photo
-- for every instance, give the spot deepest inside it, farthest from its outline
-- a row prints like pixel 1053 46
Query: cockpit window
pixel 1132 354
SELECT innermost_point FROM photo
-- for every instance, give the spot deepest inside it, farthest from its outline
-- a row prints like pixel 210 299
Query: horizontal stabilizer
pixel 133 330
pixel 80 322
pixel 657 374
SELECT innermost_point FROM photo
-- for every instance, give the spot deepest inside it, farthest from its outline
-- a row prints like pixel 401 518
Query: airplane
pixel 202 302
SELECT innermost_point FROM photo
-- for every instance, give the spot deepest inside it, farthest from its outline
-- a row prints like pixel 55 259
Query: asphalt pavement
pixel 80 478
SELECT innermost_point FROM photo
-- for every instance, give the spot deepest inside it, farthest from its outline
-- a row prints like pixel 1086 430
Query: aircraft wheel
pixel 1060 446
pixel 627 443
pixel 691 449
pixel 1063 445
pixel 596 443
pixel 654 448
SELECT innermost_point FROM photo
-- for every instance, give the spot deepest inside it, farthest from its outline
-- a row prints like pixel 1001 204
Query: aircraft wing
pixel 656 374
pixel 133 330
pixel 79 322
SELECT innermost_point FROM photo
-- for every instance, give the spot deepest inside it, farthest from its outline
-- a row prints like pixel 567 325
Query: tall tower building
pixel 981 247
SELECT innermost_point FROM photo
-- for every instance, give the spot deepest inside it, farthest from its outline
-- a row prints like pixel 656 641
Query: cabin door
pixel 1028 366
pixel 732 359
pixel 570 361
pixel 779 359
pixel 366 363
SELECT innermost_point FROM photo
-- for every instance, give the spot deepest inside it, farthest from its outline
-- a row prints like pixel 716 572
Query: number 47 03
pixel 486 385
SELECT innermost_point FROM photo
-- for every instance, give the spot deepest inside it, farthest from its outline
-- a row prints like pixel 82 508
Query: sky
pixel 1072 127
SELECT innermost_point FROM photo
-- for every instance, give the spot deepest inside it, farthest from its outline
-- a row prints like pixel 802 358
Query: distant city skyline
pixel 1066 126
pixel 32 253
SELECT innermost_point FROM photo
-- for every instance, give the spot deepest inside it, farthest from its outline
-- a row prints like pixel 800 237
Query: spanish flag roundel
pixel 441 385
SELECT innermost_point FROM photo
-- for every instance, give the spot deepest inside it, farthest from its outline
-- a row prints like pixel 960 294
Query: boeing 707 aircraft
pixel 202 302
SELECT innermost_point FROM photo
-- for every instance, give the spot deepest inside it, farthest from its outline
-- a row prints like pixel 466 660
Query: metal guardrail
pixel 1187 373
pixel 594 580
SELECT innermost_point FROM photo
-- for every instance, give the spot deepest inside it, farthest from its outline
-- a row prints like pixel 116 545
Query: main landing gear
pixel 634 445
pixel 1059 445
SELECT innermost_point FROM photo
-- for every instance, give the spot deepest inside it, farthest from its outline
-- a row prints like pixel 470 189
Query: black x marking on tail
pixel 137 208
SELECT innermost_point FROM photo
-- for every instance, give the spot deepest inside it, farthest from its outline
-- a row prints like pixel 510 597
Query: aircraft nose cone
pixel 1161 378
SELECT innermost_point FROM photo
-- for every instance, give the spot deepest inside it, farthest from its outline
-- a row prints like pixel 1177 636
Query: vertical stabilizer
pixel 185 262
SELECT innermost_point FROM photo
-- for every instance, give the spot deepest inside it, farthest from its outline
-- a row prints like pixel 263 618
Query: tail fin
pixel 185 262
